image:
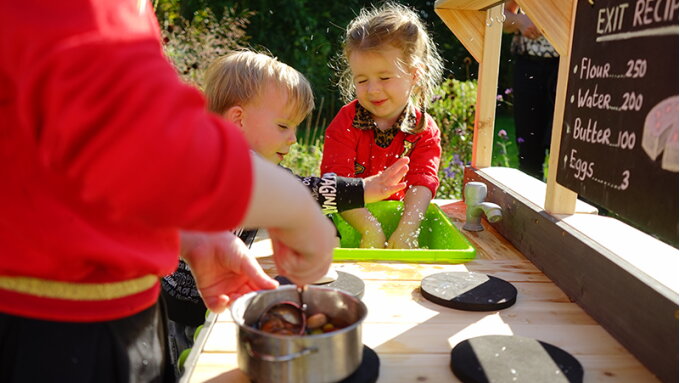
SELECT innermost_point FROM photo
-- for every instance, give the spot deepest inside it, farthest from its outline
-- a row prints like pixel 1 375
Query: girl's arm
pixel 367 225
pixel 415 204
pixel 423 179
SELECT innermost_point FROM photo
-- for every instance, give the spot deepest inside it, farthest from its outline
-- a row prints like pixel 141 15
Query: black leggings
pixel 535 82
pixel 132 349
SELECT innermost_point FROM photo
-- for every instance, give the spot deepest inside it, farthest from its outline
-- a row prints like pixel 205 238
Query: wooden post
pixel 555 19
pixel 487 84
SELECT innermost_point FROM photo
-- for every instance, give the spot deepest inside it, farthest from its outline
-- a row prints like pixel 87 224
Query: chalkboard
pixel 619 146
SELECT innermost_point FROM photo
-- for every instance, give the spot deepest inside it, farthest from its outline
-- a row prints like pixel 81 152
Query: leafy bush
pixel 192 45
pixel 453 109
pixel 304 159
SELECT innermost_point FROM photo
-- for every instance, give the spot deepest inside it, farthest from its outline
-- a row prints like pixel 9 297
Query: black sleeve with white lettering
pixel 335 194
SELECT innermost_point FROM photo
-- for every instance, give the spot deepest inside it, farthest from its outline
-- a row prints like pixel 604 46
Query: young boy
pixel 267 100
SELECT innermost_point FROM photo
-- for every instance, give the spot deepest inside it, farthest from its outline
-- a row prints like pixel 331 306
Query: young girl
pixel 390 64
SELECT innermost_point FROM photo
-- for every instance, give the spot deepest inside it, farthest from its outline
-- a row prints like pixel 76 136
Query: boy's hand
pixel 383 185
pixel 223 267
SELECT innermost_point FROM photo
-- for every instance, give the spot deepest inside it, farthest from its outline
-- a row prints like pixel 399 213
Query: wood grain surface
pixel 413 337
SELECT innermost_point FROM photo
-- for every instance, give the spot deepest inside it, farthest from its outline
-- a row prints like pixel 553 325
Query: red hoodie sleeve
pixel 109 114
pixel 425 158
pixel 340 144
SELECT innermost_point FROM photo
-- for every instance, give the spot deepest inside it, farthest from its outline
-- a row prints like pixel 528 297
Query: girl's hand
pixel 372 238
pixel 383 185
pixel 416 201
pixel 403 239
pixel 367 225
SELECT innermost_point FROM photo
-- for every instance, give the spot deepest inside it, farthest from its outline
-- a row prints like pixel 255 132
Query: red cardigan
pixel 352 152
pixel 104 155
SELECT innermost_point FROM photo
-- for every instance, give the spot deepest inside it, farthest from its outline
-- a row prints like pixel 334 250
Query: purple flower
pixel 520 140
pixel 450 172
pixel 508 91
pixel 457 160
pixel 499 97
pixel 503 134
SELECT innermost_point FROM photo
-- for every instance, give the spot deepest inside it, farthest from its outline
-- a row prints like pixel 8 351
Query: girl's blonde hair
pixel 239 77
pixel 398 26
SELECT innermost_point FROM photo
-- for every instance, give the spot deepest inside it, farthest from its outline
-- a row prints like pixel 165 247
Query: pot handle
pixel 281 358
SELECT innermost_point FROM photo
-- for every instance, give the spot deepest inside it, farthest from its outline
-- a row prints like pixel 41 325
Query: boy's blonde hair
pixel 400 27
pixel 239 77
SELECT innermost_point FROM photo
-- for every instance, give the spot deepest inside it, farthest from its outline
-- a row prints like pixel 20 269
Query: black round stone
pixel 468 291
pixel 506 358
pixel 368 370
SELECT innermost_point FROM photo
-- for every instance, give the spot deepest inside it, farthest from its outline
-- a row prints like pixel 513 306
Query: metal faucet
pixel 475 192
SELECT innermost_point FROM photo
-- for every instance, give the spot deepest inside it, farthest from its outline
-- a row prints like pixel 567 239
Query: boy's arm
pixel 415 204
pixel 337 194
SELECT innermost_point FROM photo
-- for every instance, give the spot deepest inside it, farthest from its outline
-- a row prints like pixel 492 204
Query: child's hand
pixel 223 267
pixel 383 185
pixel 416 201
pixel 403 239
pixel 372 238
pixel 367 225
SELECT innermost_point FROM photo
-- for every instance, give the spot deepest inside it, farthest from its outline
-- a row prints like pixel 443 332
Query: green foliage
pixel 193 45
pixel 307 34
pixel 453 109
pixel 304 159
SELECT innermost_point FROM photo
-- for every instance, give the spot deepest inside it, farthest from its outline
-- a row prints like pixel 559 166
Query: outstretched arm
pixel 388 182
pixel 303 238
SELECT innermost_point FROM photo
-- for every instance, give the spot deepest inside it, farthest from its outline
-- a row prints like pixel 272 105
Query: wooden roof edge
pixel 553 19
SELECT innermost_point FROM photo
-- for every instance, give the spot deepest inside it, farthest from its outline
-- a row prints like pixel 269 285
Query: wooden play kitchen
pixel 590 286
pixel 413 336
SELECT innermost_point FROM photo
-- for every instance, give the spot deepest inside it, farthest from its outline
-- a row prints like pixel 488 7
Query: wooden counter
pixel 414 337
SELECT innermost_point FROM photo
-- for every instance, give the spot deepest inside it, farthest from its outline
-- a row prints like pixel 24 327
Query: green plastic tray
pixel 439 240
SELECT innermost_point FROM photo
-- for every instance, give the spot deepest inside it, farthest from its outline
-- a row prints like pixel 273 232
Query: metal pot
pixel 328 357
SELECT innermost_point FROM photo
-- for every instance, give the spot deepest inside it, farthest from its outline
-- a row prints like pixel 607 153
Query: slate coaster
pixel 368 370
pixel 346 282
pixel 505 358
pixel 468 291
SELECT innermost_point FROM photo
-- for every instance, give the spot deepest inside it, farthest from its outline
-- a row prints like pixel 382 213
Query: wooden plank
pixel 558 199
pixel 510 270
pixel 471 5
pixel 529 187
pixel 488 243
pixel 553 18
pixel 218 368
pixel 440 337
pixel 638 312
pixel 487 84
pixel 386 309
pixel 398 368
pixel 467 26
